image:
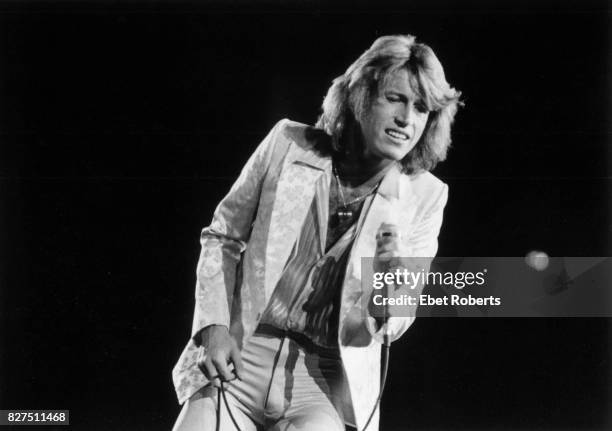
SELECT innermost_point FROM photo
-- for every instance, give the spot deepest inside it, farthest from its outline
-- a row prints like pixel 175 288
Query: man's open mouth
pixel 397 134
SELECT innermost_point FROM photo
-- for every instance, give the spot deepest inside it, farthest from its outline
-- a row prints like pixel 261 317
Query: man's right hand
pixel 217 350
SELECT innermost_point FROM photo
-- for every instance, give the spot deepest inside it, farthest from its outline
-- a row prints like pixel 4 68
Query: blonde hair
pixel 348 99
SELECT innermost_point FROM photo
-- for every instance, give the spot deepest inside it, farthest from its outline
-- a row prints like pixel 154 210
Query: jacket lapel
pixel 294 194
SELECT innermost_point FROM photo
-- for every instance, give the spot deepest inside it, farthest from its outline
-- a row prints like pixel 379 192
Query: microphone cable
pixel 386 351
pixel 218 418
pixel 221 394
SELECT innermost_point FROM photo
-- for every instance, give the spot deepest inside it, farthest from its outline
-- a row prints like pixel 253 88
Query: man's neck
pixel 355 166
pixel 356 171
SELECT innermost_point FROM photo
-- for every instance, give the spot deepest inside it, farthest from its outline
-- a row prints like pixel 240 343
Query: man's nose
pixel 405 116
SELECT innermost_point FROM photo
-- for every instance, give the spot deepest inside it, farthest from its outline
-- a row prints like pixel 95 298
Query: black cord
pixel 228 407
pixel 221 394
pixel 383 381
pixel 383 378
pixel 218 426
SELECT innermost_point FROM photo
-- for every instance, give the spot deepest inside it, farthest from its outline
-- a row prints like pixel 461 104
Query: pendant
pixel 344 214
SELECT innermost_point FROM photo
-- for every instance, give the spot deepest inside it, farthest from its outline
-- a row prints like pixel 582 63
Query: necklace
pixel 343 212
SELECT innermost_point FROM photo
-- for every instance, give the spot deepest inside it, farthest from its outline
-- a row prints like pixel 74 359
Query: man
pixel 279 315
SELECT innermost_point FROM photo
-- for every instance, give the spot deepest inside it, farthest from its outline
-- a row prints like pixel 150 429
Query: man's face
pixel 395 121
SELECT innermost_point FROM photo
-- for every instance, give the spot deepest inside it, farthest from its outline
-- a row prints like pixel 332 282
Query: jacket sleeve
pixel 424 239
pixel 225 239
pixel 423 244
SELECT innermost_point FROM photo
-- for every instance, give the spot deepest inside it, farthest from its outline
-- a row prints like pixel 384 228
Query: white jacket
pixel 254 228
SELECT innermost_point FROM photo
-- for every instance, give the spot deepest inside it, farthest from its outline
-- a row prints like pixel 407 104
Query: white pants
pixel 286 386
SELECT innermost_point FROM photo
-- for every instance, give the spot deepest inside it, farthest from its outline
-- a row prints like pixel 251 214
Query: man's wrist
pixel 200 338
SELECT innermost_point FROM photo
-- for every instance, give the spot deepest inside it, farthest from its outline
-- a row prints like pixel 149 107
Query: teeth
pixel 397 134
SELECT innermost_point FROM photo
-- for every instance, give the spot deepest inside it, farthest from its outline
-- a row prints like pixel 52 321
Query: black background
pixel 123 124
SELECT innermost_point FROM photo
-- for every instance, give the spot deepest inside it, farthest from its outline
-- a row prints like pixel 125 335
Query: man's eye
pixel 422 108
